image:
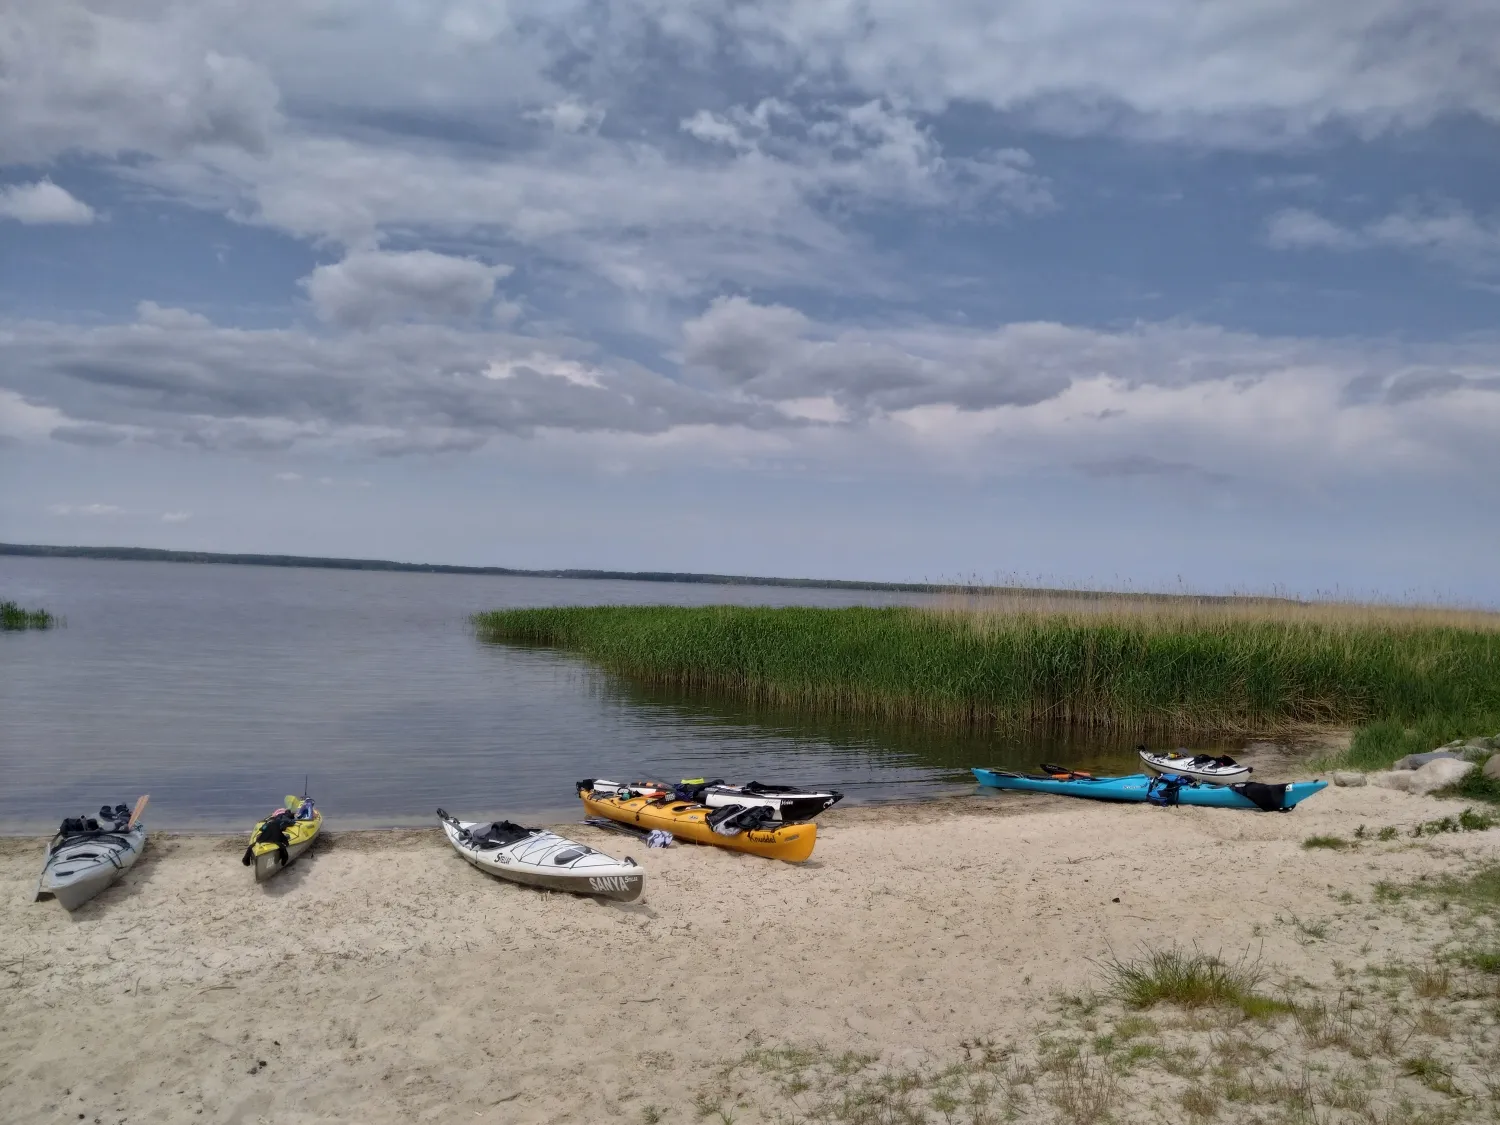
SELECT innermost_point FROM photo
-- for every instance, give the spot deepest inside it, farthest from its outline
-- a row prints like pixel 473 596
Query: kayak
pixel 539 858
pixel 88 854
pixel 787 802
pixel 1137 787
pixel 1222 770
pixel 687 820
pixel 278 840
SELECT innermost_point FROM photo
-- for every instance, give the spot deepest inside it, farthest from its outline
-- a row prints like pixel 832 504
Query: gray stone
pixel 1437 774
pixel 1417 761
pixel 1351 778
pixel 1395 779
pixel 1492 768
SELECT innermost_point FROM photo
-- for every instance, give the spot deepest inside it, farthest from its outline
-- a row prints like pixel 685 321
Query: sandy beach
pixel 381 979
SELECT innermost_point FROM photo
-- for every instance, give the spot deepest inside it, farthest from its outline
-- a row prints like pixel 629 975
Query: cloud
pixel 1249 74
pixel 44 203
pixel 1296 228
pixel 382 286
pixel 85 510
pixel 569 116
pixel 1144 465
pixel 151 80
pixel 780 384
pixel 1443 231
pixel 390 389
pixel 176 517
pixel 162 316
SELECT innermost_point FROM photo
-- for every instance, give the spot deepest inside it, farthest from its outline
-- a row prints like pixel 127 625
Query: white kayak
pixel 81 860
pixel 1221 770
pixel 540 858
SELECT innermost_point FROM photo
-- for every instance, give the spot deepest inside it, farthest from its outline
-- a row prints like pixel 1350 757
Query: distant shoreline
pixel 154 554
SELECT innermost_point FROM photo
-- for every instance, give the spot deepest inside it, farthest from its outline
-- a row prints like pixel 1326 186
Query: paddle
pixel 140 807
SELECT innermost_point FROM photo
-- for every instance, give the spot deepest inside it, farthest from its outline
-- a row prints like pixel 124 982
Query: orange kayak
pixel 687 821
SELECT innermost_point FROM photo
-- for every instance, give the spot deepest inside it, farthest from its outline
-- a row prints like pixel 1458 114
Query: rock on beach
pixel 1438 774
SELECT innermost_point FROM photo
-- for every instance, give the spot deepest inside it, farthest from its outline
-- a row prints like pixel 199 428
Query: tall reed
pixel 1176 670
pixel 12 616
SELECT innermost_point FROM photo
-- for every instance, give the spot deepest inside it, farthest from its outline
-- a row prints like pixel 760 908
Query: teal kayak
pixel 1137 787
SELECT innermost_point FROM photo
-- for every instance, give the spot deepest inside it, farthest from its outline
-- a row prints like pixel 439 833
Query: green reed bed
pixel 12 616
pixel 1151 672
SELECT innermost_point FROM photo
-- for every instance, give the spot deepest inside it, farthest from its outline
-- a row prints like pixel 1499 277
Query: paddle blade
pixel 140 807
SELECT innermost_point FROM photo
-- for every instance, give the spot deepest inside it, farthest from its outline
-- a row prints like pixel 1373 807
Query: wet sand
pixel 382 979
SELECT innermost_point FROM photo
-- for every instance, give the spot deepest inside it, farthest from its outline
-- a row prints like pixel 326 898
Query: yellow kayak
pixel 282 837
pixel 688 821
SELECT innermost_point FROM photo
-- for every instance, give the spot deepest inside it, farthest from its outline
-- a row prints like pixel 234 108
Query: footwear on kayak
pixel 787 802
pixel 539 858
pixel 741 828
pixel 1221 770
pixel 87 854
pixel 1143 787
pixel 282 837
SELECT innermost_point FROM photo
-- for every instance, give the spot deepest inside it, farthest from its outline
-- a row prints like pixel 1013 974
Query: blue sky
pixel 1149 292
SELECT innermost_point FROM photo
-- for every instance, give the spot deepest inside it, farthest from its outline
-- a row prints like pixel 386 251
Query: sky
pixel 1154 294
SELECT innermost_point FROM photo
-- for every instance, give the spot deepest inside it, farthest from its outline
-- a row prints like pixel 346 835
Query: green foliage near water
pixel 1164 673
pixel 12 616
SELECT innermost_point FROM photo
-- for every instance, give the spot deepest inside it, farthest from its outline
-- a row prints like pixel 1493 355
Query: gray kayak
pixel 80 865
pixel 539 858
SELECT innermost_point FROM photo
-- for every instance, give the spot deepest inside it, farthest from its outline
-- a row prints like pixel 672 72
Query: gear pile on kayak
pixel 283 836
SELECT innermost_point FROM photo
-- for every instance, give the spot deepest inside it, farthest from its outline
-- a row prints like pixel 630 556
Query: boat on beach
pixel 1142 787
pixel 282 837
pixel 87 854
pixel 536 857
pixel 739 828
pixel 1215 770
pixel 789 803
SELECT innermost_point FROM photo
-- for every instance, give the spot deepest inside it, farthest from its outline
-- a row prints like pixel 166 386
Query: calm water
pixel 216 688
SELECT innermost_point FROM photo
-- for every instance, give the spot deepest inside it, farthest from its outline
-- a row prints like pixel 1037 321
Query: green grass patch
pixel 1379 743
pixel 1171 672
pixel 1189 979
pixel 1333 843
pixel 12 616
pixel 1474 786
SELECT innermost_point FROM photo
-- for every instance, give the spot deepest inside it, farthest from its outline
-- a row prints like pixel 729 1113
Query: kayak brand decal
pixel 609 882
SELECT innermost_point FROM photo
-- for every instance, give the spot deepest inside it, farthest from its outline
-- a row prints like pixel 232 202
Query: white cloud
pixel 1153 401
pixel 165 317
pixel 1445 231
pixel 44 203
pixel 85 510
pixel 154 79
pixel 289 478
pixel 570 116
pixel 375 287
pixel 176 517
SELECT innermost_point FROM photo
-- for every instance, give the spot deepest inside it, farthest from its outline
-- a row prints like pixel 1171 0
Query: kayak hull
pixel 1135 787
pixel 79 867
pixel 533 862
pixel 687 821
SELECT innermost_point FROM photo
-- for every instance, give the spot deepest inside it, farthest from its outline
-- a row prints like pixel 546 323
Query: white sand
pixel 381 979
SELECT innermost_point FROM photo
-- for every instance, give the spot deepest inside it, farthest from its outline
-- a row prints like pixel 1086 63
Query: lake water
pixel 217 688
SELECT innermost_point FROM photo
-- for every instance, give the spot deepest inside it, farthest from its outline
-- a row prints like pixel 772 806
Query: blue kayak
pixel 1137 787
